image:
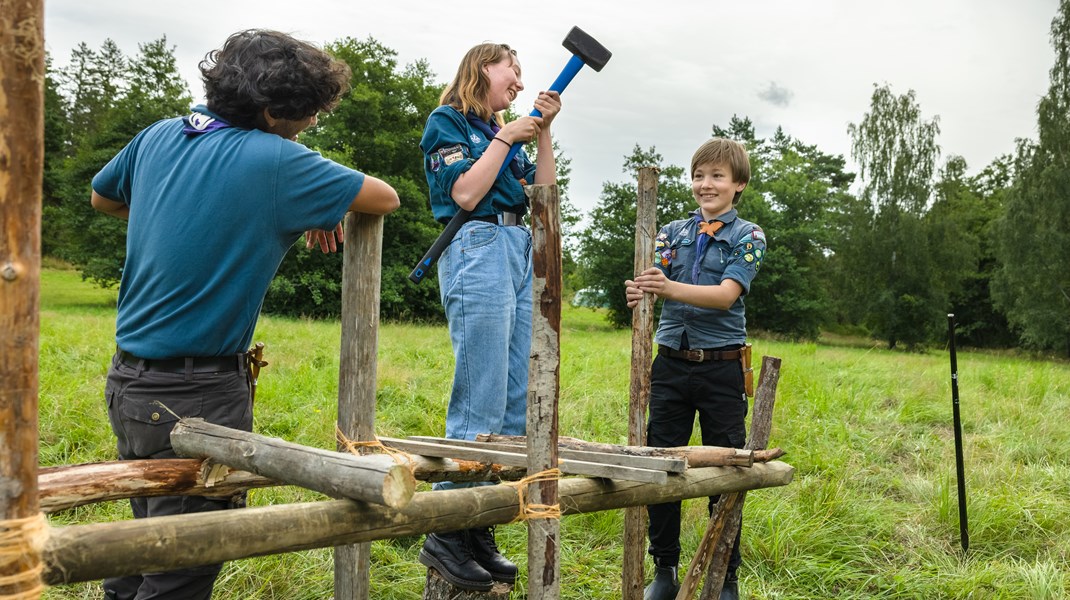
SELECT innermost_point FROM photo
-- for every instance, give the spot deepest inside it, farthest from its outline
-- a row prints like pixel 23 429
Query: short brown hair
pixel 468 90
pixel 723 151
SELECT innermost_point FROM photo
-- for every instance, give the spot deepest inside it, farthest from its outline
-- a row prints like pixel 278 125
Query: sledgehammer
pixel 585 51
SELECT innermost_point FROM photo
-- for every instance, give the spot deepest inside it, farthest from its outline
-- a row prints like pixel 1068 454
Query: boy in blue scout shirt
pixel 704 266
pixel 485 273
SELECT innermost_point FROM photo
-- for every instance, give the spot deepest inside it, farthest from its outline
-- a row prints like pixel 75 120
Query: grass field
pixel 872 512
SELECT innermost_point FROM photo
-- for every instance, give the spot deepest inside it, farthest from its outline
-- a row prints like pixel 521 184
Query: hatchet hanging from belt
pixel 585 51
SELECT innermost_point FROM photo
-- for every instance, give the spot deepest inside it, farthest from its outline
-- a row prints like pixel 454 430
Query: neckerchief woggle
pixel 197 123
pixel 703 234
pixel 490 130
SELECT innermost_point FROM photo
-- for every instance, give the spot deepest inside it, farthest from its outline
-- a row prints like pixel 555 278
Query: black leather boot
pixel 485 551
pixel 665 585
pixel 450 555
pixel 730 589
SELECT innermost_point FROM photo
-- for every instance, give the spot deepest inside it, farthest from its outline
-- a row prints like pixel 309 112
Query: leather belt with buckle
pixel 503 218
pixel 699 354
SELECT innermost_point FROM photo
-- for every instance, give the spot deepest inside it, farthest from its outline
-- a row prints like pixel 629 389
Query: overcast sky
pixel 677 68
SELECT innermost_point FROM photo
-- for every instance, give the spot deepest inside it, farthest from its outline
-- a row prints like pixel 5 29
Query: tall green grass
pixel 872 512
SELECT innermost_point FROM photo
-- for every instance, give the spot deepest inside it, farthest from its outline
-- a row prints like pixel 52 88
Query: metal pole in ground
pixel 964 529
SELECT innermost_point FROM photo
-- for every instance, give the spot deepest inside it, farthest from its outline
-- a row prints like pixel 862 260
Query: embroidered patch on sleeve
pixel 757 234
pixel 451 154
pixel 436 161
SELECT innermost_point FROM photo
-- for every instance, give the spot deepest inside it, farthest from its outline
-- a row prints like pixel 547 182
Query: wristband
pixel 498 139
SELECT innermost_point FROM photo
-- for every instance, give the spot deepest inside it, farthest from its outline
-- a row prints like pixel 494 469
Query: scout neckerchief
pixel 490 130
pixel 704 233
pixel 197 123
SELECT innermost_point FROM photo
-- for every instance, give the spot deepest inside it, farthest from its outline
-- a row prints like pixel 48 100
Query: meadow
pixel 872 512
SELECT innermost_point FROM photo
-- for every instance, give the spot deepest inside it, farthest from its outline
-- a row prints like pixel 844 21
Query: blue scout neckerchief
pixel 197 123
pixel 490 130
pixel 705 233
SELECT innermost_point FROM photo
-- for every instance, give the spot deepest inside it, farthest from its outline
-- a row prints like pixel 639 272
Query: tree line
pixel 885 252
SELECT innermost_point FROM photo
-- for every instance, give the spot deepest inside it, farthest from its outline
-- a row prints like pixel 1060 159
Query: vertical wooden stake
pixel 22 68
pixel 544 384
pixel 361 273
pixel 642 355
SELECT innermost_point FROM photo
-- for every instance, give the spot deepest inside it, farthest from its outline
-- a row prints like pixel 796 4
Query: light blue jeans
pixel 485 280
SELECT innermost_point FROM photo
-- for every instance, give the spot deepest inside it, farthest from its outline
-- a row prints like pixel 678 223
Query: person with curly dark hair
pixel 214 201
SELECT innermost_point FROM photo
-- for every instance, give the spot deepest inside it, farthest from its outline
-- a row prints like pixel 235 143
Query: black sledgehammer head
pixel 592 53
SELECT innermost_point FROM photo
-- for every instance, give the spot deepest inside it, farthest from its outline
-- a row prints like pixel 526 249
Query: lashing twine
pixel 356 447
pixel 21 541
pixel 526 510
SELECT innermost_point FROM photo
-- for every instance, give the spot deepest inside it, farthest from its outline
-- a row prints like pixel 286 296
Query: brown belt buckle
pixel 696 355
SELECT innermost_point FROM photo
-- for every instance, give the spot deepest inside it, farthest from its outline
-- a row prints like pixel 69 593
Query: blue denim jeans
pixel 485 281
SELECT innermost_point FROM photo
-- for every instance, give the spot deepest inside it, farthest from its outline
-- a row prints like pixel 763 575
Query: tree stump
pixel 437 588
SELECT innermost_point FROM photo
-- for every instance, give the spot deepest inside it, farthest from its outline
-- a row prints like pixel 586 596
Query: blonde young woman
pixel 485 273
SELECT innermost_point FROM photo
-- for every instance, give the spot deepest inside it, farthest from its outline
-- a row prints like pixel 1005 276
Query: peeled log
pixel 87 552
pixel 373 478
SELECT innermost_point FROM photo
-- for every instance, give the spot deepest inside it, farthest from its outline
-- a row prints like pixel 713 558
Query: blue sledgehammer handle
pixel 567 74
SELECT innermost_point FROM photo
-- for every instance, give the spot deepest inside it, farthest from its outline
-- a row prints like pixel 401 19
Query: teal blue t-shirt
pixel 451 146
pixel 211 218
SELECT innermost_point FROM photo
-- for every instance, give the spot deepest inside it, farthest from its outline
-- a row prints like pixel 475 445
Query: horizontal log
pixel 520 458
pixel 697 456
pixel 70 486
pixel 669 464
pixel 89 552
pixel 373 478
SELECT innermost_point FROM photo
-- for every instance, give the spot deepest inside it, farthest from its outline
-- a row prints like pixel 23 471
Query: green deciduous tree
pixel 1032 286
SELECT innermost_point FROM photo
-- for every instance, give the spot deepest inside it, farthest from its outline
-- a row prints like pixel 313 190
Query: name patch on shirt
pixel 452 154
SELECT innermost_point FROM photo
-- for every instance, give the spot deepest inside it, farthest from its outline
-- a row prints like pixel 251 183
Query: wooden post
pixel 642 355
pixel 22 72
pixel 716 545
pixel 87 552
pixel 544 570
pixel 362 258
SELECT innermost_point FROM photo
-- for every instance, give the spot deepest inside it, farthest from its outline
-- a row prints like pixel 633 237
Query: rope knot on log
pixel 377 447
pixel 21 543
pixel 527 511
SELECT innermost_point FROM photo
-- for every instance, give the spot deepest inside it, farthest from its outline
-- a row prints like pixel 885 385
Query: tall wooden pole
pixel 361 272
pixel 544 570
pixel 642 353
pixel 22 68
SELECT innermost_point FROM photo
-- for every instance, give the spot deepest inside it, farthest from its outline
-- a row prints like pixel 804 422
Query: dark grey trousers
pixel 143 407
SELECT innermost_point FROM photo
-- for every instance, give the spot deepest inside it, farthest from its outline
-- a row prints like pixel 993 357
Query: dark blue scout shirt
pixel 736 253
pixel 451 146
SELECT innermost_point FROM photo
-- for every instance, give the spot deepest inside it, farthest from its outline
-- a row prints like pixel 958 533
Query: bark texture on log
pixel 361 280
pixel 372 478
pixel 437 588
pixel 22 76
pixel 86 552
pixel 696 456
pixel 544 569
pixel 646 228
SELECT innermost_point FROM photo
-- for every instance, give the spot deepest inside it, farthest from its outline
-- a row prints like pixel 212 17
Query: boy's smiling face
pixel 714 188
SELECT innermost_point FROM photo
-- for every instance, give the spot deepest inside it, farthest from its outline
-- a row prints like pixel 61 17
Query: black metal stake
pixel 964 533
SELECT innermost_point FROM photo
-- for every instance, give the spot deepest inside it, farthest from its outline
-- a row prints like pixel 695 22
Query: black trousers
pixel 679 389
pixel 143 407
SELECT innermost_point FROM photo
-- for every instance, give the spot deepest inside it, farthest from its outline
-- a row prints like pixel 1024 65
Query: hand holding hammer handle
pixel 585 51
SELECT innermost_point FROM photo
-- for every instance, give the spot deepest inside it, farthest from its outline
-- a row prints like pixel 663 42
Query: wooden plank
pixel 22 73
pixel 374 478
pixel 696 456
pixel 669 464
pixel 518 459
pixel 646 229
pixel 361 274
pixel 88 552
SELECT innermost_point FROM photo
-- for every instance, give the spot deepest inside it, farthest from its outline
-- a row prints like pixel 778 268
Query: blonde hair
pixel 469 88
pixel 721 151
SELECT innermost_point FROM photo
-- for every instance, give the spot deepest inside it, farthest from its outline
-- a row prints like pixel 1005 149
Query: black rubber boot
pixel 665 584
pixel 730 589
pixel 450 555
pixel 485 551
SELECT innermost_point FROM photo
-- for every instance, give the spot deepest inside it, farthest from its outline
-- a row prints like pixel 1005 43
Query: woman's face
pixel 505 83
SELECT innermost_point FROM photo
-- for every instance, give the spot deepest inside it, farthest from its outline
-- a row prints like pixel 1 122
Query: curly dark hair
pixel 257 69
